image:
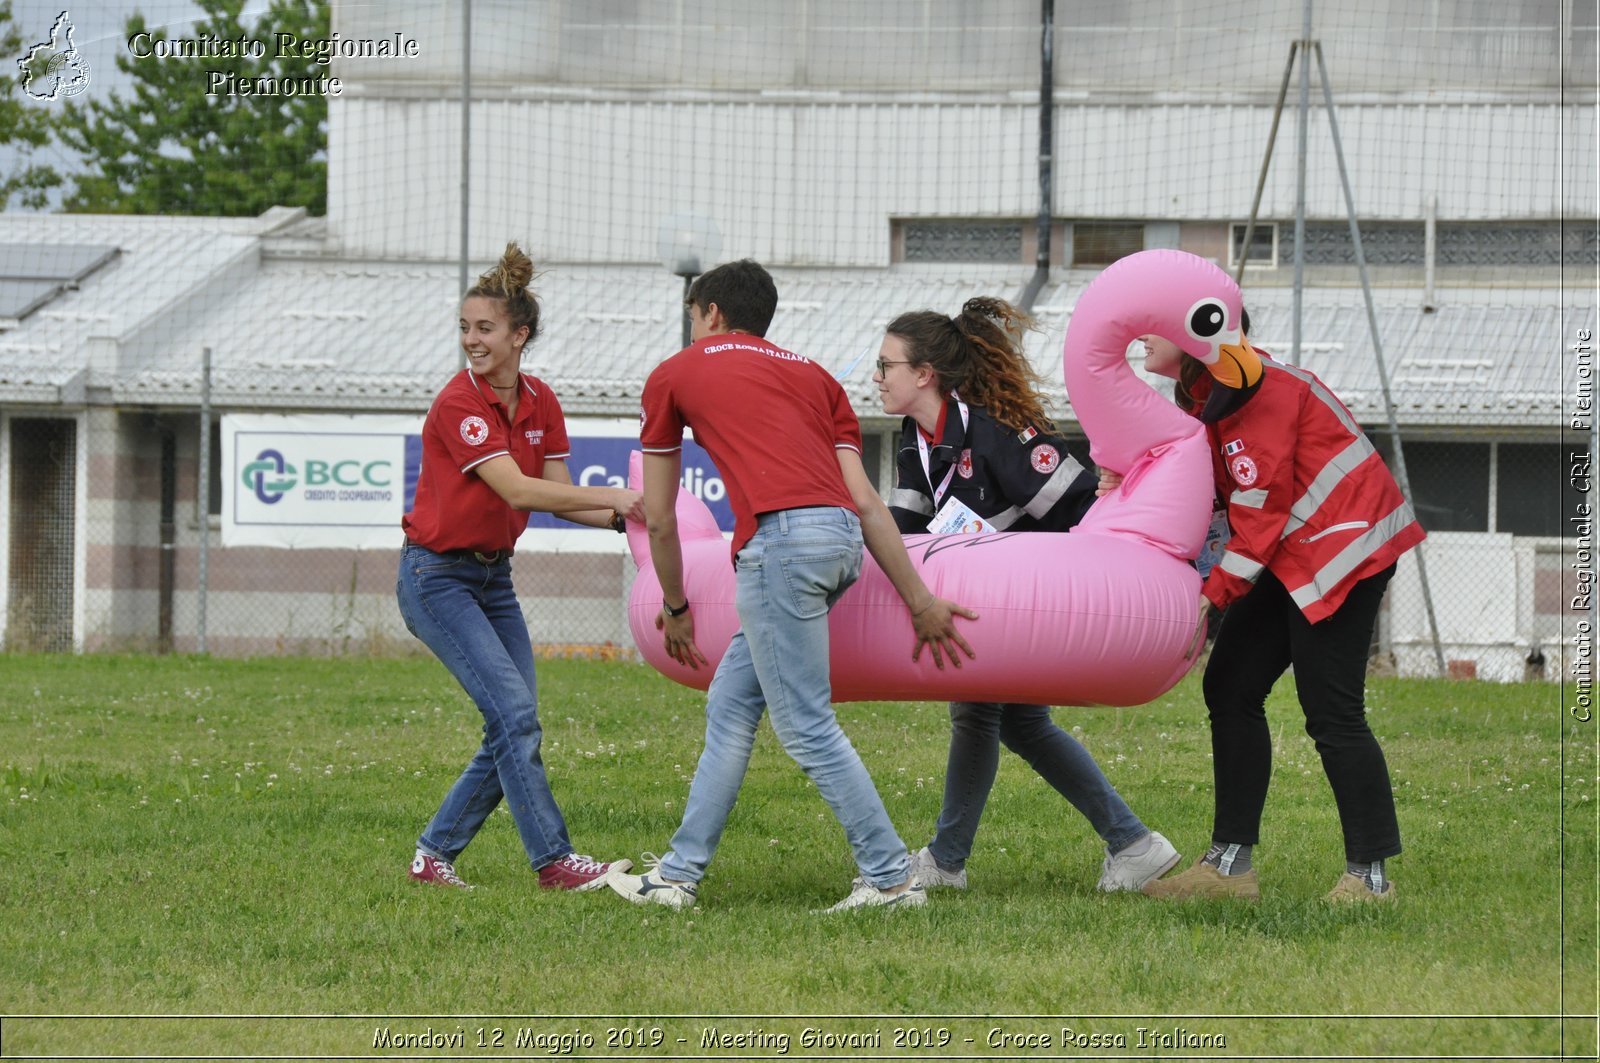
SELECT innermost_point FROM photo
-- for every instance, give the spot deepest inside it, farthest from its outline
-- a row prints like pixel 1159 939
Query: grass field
pixel 207 858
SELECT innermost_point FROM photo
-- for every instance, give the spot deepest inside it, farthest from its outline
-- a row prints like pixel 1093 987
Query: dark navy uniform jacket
pixel 1017 481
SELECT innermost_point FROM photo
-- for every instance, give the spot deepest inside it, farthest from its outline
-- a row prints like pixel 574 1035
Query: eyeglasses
pixel 883 366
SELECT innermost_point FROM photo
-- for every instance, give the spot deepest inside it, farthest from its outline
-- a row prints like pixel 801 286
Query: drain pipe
pixel 1047 78
pixel 169 539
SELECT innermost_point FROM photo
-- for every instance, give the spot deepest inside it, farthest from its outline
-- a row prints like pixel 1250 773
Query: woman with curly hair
pixel 977 452
pixel 494 448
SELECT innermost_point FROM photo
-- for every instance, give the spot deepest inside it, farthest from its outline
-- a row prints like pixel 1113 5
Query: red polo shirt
pixel 769 418
pixel 466 426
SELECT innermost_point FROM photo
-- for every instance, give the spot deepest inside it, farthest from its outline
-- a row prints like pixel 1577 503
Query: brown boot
pixel 1353 889
pixel 1201 880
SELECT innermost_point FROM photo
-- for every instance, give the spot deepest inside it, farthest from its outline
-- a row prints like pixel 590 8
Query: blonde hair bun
pixel 511 275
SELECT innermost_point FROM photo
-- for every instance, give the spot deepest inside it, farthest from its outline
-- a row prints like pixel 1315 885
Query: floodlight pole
pixel 1047 80
pixel 1299 48
pixel 688 282
pixel 1300 183
pixel 1261 179
pixel 466 151
pixel 203 493
pixel 1377 343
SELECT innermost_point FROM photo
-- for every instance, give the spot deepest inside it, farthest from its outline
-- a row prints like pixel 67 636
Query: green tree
pixel 24 128
pixel 187 144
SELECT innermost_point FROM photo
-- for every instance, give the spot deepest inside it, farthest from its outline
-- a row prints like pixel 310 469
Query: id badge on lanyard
pixel 943 487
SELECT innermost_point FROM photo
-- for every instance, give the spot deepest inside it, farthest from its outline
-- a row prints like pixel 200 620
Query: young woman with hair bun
pixel 977 452
pixel 494 449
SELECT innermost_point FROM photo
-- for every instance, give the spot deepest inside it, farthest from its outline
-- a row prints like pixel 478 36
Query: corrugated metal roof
pixel 162 262
pixel 293 331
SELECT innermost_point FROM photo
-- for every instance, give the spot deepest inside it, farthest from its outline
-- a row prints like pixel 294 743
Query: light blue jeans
pixel 466 612
pixel 976 730
pixel 788 576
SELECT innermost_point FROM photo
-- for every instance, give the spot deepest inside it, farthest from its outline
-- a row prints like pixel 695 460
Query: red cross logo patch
pixel 1045 458
pixel 1244 470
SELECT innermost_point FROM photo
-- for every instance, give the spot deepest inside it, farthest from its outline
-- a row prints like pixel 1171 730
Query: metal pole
pixel 1300 184
pixel 167 578
pixel 1430 252
pixel 688 281
pixel 1377 344
pixel 1047 81
pixel 1266 161
pixel 466 148
pixel 203 489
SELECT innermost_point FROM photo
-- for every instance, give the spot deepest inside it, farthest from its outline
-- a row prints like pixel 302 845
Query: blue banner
pixel 602 461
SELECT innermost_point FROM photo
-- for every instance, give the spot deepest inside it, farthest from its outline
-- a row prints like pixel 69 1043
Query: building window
pixel 1449 483
pixel 1263 244
pixel 1524 501
pixel 1539 244
pixel 1382 244
pixel 960 240
pixel 1100 243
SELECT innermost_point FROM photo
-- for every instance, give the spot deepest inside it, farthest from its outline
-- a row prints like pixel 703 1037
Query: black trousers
pixel 1262 634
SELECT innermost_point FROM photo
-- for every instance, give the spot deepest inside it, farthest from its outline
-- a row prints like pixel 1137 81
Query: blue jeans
pixel 788 576
pixel 976 730
pixel 466 612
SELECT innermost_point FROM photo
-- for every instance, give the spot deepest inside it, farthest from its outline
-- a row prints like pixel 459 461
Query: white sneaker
pixel 651 888
pixel 864 894
pixel 1125 872
pixel 925 872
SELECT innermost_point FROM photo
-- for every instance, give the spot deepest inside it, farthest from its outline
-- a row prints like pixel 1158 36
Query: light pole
pixel 685 243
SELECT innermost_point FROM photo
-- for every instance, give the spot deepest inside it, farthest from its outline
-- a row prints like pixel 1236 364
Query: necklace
pixel 504 387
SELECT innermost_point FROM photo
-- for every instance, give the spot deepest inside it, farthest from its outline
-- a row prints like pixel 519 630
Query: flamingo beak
pixel 1237 365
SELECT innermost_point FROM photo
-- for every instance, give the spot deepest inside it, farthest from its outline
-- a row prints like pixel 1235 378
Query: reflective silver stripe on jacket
pixel 1048 495
pixel 1327 480
pixel 913 501
pixel 1005 518
pixel 1254 499
pixel 1237 565
pixel 1355 552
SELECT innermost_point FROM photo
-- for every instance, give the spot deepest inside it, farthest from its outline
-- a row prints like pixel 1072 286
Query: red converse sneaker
pixel 436 872
pixel 577 872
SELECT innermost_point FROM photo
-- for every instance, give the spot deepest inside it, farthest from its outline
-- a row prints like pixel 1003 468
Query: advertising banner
pixel 317 480
pixel 344 481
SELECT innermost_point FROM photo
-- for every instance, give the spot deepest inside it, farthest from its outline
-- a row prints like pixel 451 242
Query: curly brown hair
pixel 978 355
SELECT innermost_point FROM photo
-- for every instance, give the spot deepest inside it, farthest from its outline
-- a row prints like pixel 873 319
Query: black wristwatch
pixel 619 523
pixel 670 611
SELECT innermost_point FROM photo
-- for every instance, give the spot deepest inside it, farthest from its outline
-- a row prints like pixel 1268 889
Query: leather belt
pixel 488 558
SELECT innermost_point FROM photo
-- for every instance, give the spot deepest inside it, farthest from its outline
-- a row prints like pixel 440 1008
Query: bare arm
pixel 661 473
pixel 557 472
pixel 932 617
pixel 549 495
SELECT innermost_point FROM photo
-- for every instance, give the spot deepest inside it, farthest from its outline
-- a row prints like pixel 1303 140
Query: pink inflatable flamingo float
pixel 1103 615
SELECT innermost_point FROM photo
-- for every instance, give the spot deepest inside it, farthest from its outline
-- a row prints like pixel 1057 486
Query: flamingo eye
pixel 1206 318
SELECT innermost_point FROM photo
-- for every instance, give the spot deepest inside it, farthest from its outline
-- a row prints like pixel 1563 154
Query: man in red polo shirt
pixel 783 436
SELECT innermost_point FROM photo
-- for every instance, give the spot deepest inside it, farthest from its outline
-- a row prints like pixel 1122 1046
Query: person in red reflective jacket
pixel 1317 524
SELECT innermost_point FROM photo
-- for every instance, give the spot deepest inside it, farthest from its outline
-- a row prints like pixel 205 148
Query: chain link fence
pixel 900 165
pixel 1497 557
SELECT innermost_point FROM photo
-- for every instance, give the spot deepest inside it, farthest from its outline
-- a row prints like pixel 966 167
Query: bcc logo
pixel 271 477
pixel 269 463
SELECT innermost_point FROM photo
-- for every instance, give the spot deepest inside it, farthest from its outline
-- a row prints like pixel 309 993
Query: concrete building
pixel 879 157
